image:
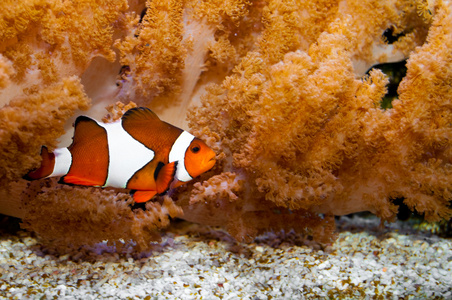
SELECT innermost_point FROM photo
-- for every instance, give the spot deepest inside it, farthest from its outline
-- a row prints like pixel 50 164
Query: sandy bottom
pixel 195 262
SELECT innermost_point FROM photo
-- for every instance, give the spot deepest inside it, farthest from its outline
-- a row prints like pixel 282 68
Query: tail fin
pixel 46 168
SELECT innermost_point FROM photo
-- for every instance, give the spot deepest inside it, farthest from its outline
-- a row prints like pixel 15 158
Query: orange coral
pixel 45 46
pixel 305 134
pixel 223 186
pixel 166 49
pixel 5 72
pixel 35 119
pixel 228 200
pixel 300 136
pixel 157 47
pixel 116 111
pixel 49 40
pixel 93 215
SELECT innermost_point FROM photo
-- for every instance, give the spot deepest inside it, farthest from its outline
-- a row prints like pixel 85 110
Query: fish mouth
pixel 210 163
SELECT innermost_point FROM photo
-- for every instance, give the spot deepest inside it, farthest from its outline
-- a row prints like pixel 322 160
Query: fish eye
pixel 195 149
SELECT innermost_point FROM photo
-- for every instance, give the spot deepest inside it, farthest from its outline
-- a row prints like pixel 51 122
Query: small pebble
pixel 364 262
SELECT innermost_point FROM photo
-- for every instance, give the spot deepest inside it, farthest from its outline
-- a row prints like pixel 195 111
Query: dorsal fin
pixel 139 114
pixel 145 127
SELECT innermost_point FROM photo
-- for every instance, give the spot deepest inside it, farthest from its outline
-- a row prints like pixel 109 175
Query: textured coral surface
pixel 278 89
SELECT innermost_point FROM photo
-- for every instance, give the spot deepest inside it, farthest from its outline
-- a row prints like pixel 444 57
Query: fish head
pixel 199 158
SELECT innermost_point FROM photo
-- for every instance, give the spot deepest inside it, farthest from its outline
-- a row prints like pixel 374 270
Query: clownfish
pixel 140 152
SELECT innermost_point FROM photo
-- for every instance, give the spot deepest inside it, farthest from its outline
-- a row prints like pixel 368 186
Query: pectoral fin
pixel 165 176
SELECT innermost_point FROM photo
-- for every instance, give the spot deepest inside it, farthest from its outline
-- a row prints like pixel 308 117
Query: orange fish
pixel 140 152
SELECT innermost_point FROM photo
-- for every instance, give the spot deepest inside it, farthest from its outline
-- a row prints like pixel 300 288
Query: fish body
pixel 140 152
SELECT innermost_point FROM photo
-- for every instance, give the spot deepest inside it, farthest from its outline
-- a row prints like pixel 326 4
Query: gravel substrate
pixel 193 262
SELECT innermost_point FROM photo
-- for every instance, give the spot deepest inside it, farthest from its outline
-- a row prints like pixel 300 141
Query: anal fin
pixel 143 196
pixel 165 177
pixel 71 179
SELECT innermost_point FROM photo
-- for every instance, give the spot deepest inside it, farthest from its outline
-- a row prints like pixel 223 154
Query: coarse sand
pixel 367 261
